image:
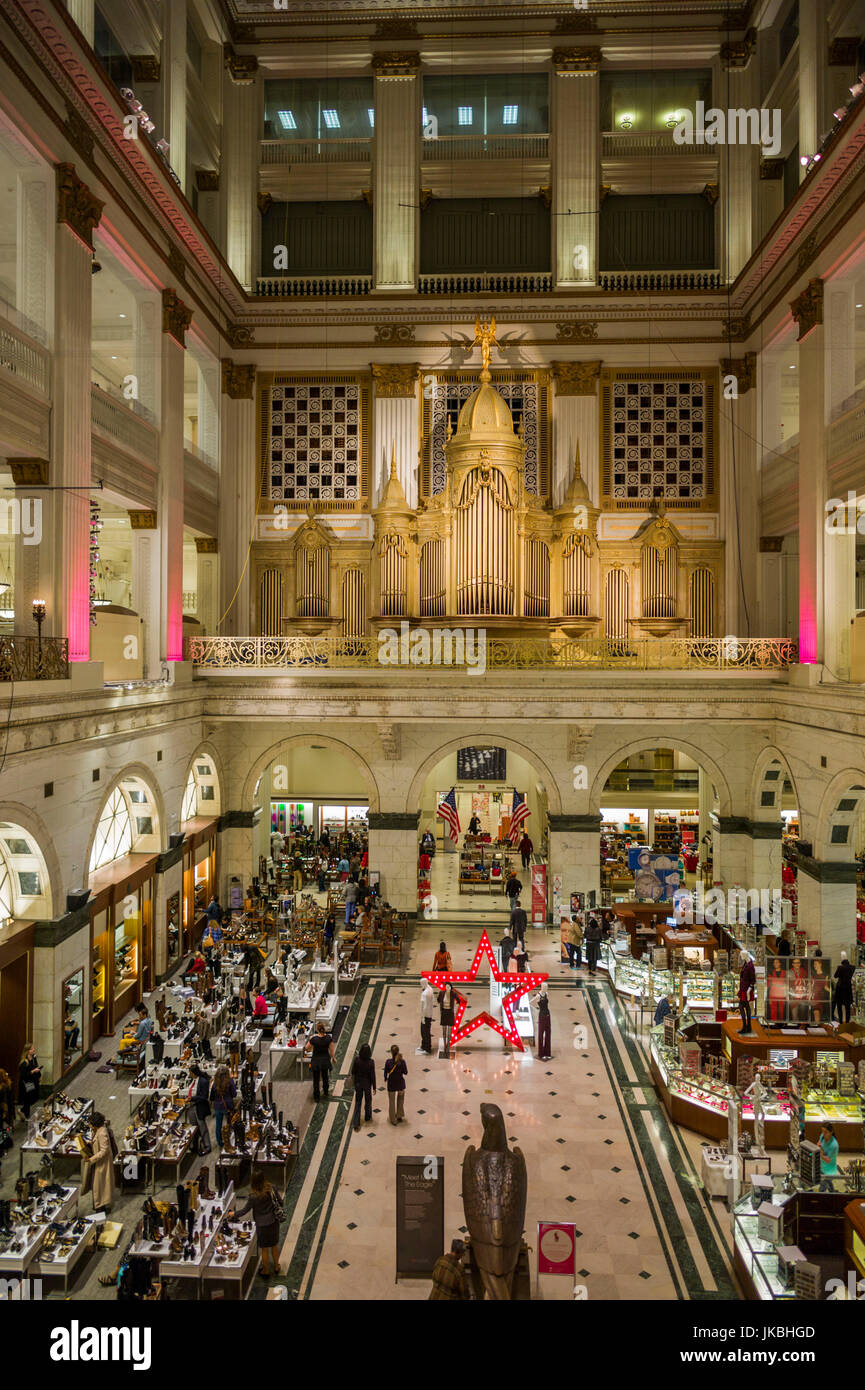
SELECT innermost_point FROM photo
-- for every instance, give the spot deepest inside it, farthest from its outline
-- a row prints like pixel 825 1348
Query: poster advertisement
pixel 656 876
pixel 798 990
pixel 557 1248
pixel 539 895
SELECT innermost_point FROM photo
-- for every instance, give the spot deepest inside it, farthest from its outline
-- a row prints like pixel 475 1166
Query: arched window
pixel 24 886
pixel 201 797
pixel 6 904
pixel 113 833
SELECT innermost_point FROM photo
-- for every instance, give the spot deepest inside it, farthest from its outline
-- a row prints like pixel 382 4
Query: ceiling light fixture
pixel 330 116
pixel 510 115
pixel 287 120
pixel 626 121
pixel 464 115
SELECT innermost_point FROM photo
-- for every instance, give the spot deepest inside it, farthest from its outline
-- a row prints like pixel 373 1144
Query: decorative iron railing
pixel 486 147
pixel 617 144
pixel 659 279
pixel 29 659
pixel 315 152
pixel 566 654
pixel 23 357
pixel 312 286
pixel 485 282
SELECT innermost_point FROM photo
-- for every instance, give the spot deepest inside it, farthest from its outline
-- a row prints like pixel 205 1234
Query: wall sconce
pixel 672 119
pixel 39 611
pixel 626 121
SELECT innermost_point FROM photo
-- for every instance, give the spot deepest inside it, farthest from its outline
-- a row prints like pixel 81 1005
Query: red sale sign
pixel 539 895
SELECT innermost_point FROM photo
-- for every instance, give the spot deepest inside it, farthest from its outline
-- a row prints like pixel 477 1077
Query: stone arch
pixel 767 785
pixel 132 772
pixel 285 745
pixel 840 808
pixel 488 737
pixel 204 750
pixel 663 740
pixel 18 816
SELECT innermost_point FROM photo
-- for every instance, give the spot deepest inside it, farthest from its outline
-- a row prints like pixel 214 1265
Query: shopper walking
pixel 427 1009
pixel 843 1000
pixel 97 1170
pixel 442 959
pixel 29 1076
pixel 592 938
pixel 222 1096
pixel 513 887
pixel 506 946
pixel 447 1005
pixel 526 849
pixel 747 985
pixel 542 999
pixel 395 1073
pixel 265 1203
pixel 350 900
pixel 321 1050
pixel 200 1097
pixel 363 1076
pixel 519 921
pixel 574 942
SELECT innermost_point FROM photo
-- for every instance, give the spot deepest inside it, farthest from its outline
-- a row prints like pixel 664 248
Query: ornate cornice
pixel 142 520
pixel 577 331
pixel 393 334
pixel 576 378
pixel 29 472
pixel 237 335
pixel 401 64
pixel 576 62
pixel 738 55
pixel 807 308
pixel 242 67
pixel 206 545
pixel 580 22
pixel 395 379
pixel 396 27
pixel 76 205
pixel 176 316
pixel 238 380
pixel 737 330
pixel 744 369
pixel 78 133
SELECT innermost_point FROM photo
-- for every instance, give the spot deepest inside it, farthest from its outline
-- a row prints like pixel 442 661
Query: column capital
pixel 206 545
pixel 576 378
pixel 142 520
pixel 744 369
pixel 395 379
pixel 77 207
pixel 827 871
pixel 239 336
pixel 176 316
pixel 580 825
pixel 577 331
pixel 145 67
pixel 807 308
pixel 239 820
pixel 771 545
pixel 238 380
pixel 242 67
pixel 396 64
pixel 207 180
pixel 29 472
pixel 576 62
pixel 772 170
pixel 738 55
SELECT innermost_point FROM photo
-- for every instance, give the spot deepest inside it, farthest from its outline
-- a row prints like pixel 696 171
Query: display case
pixel 770 1276
pixel 73 1019
pixel 126 964
pixel 699 990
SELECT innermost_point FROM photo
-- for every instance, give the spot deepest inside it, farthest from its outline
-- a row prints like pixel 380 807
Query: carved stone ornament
pixel 206 545
pixel 738 55
pixel 264 202
pixel 207 180
pixel 76 205
pixel 396 27
pixel 737 330
pixel 176 263
pixel 771 545
pixel 405 64
pixel 807 251
pixel 394 380
pixel 238 335
pixel 176 317
pixel 426 197
pixel 744 369
pixel 604 192
pixel 579 737
pixel 772 169
pixel 577 331
pixel 545 193
pixel 242 67
pixel 576 62
pixel 711 193
pixel 78 133
pixel 390 737
pixel 807 308
pixel 578 22
pixel 238 380
pixel 576 378
pixel 844 51
pixel 29 472
pixel 367 195
pixel 394 333
pixel 145 67
pixel 142 521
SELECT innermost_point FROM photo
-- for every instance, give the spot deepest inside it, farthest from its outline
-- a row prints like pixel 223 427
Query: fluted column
pixel 34 249
pixel 396 172
pixel 576 165
pixel 808 314
pixel 174 73
pixel 208 409
pixel 242 124
pixel 147 352
pixel 147 587
pixel 78 213
pixel 575 422
pixel 207 610
pixel 175 323
pixel 395 420
pixel 813 39
pixel 83 12
pixel 738 166
pixel 238 498
pixel 740 510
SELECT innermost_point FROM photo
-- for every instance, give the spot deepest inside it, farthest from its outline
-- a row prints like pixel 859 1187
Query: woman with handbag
pixel 222 1096
pixel 447 1005
pixel 395 1073
pixel 265 1203
pixel 29 1074
pixel 321 1051
pixel 363 1076
pixel 98 1166
pixel 199 1095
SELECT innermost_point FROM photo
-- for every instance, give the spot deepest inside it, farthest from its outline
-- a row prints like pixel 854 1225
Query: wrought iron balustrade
pixel 29 659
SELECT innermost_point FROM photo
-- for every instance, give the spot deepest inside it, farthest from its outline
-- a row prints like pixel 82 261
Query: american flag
pixel 447 810
pixel 519 813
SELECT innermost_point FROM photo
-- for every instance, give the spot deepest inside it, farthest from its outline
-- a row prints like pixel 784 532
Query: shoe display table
pixel 173 1046
pixel 47 1136
pixel 171 1264
pixel 232 1269
pixel 62 1259
pixel 30 1238
pixel 277 1054
pixel 252 1039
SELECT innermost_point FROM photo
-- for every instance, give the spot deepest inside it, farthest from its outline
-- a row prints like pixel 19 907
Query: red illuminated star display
pixel 522 984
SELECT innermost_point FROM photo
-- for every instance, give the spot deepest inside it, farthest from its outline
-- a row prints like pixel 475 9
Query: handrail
pixel 483 282
pixel 351 151
pixel 312 286
pixel 33 658
pixel 659 279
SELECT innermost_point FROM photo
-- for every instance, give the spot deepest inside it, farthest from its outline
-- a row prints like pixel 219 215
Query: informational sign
pixel 557 896
pixel 557 1248
pixel 539 895
pixel 420 1213
pixel 235 895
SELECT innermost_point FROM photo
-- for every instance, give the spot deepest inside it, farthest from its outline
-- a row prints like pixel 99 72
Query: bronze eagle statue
pixel 495 1186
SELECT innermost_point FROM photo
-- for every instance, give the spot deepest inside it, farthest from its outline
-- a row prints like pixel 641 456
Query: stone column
pixel 770 194
pixel 839 547
pixel 575 423
pixel 737 163
pixel 808 313
pixel 208 583
pixel 731 859
pixel 740 510
pixel 575 853
pixel 393 842
pixel 237 831
pixel 839 305
pixel 34 251
pixel 396 171
pixel 175 323
pixel 147 352
pixel 395 421
pixel 576 165
pixel 827 905
pixel 33 567
pixel 147 587
pixel 704 810
pixel 169 879
pixel 771 580
pixel 78 214
pixel 813 40
pixel 83 12
pixel 208 409
pixel 242 126
pixel 238 498
pixel 765 856
pixel 174 86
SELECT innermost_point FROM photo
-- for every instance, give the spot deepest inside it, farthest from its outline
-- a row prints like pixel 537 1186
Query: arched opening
pixel 775 832
pixel 202 794
pixel 25 895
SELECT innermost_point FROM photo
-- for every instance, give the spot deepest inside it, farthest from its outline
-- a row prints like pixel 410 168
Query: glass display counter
pixel 770 1275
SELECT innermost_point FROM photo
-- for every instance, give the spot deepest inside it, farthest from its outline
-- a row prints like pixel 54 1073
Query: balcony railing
pixel 29 659
pixel 483 282
pixel 659 279
pixel 618 144
pixel 312 286
pixel 486 147
pixel 241 654
pixel 24 357
pixel 278 152
pixel 121 423
pixel 847 432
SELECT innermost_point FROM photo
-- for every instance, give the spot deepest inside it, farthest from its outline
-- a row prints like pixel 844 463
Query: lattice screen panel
pixel 658 440
pixel 314 436
pixel 528 397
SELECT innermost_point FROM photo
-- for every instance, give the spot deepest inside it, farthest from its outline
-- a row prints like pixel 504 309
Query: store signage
pixel 557 1248
pixel 539 895
pixel 420 1213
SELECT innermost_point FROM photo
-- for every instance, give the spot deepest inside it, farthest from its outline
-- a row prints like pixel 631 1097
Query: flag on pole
pixel 447 810
pixel 519 814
